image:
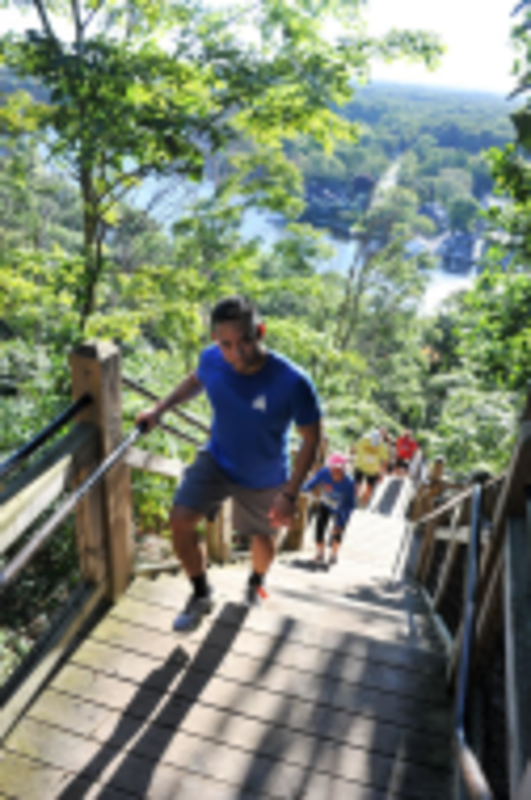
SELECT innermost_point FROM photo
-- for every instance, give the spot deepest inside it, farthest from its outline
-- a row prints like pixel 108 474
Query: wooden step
pixel 307 607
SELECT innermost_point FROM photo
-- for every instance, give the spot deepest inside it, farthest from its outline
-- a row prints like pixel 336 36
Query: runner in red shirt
pixel 406 447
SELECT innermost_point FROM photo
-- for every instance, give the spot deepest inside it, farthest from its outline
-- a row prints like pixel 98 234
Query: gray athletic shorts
pixel 205 486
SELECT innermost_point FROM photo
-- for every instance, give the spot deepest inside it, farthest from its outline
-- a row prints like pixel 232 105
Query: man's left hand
pixel 282 511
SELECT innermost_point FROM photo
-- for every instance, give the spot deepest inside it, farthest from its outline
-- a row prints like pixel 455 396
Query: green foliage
pixel 496 329
pixel 157 88
pixel 510 166
pixel 476 429
pixel 463 212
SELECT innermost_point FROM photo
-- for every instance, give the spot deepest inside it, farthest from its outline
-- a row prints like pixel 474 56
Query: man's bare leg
pixel 187 544
pixel 191 552
pixel 263 552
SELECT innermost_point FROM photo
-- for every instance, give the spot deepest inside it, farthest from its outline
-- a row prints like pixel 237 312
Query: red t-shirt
pixel 406 448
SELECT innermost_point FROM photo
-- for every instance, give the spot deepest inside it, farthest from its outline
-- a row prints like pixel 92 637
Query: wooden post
pixel 219 535
pixel 295 534
pixel 104 523
pixel 517 651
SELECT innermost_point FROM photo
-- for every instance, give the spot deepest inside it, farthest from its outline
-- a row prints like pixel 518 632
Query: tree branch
pixel 46 24
pixel 92 14
pixel 76 15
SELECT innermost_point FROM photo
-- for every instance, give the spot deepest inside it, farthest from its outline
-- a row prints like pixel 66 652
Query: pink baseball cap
pixel 336 460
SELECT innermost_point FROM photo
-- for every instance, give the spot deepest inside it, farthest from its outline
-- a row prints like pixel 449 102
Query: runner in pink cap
pixel 336 503
pixel 336 460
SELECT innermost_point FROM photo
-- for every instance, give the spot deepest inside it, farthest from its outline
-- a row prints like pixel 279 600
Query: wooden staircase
pixel 333 689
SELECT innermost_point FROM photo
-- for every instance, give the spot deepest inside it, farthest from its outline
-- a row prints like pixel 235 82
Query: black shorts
pixel 359 476
pixel 324 515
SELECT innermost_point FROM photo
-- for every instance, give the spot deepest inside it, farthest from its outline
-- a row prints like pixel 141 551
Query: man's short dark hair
pixel 235 309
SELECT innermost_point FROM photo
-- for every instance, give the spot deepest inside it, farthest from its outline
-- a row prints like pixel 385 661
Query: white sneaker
pixel 195 609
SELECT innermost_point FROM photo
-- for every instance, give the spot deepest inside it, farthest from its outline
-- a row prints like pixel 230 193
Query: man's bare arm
pixel 284 504
pixel 311 436
pixel 186 390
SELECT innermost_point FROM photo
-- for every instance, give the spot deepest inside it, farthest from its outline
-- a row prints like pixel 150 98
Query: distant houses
pixel 331 202
pixel 436 213
pixel 459 252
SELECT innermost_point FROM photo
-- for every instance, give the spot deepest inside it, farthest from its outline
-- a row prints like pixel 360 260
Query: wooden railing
pixel 89 464
pixel 502 625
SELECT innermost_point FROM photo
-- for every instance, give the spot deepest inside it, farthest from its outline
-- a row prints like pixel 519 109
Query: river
pixel 257 223
pixel 441 285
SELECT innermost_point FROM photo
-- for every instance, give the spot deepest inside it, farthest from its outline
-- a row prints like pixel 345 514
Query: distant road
pixel 386 182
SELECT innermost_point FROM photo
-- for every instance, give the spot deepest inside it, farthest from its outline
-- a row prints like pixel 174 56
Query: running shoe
pixel 333 559
pixel 195 609
pixel 255 595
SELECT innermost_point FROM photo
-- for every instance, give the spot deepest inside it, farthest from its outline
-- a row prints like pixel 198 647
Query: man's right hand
pixel 150 418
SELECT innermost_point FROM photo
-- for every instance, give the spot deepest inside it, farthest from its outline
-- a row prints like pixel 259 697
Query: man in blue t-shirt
pixel 255 395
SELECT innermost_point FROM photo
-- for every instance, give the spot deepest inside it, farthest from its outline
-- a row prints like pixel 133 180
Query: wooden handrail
pixel 149 395
pixel 455 500
pixel 41 536
pixel 32 492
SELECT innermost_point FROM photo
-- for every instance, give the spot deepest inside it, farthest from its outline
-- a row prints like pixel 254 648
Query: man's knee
pixel 183 522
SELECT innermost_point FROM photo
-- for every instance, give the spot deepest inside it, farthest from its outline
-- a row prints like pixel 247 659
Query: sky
pixel 476 34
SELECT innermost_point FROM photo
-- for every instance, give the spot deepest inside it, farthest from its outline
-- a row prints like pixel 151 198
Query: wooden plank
pixel 20 701
pixel 32 492
pixel 96 369
pixel 367 658
pixel 248 653
pixel 151 462
pixel 239 729
pixel 303 697
pixel 34 780
pixel 23 777
pixel 310 626
pixel 517 651
pixel 460 535
pixel 161 766
pixel 202 734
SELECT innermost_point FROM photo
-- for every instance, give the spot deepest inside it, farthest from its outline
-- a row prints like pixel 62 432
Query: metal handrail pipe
pixel 186 415
pixel 41 536
pixel 40 438
pixel 470 769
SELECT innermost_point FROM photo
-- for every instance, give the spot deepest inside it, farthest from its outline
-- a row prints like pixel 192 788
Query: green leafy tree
pixel 143 88
pixel 511 167
pixel 463 212
pixel 381 267
pixel 496 329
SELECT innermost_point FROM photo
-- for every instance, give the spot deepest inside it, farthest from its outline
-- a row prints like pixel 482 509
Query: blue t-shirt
pixel 252 416
pixel 338 495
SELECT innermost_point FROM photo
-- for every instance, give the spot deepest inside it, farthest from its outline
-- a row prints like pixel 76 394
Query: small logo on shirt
pixel 260 403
